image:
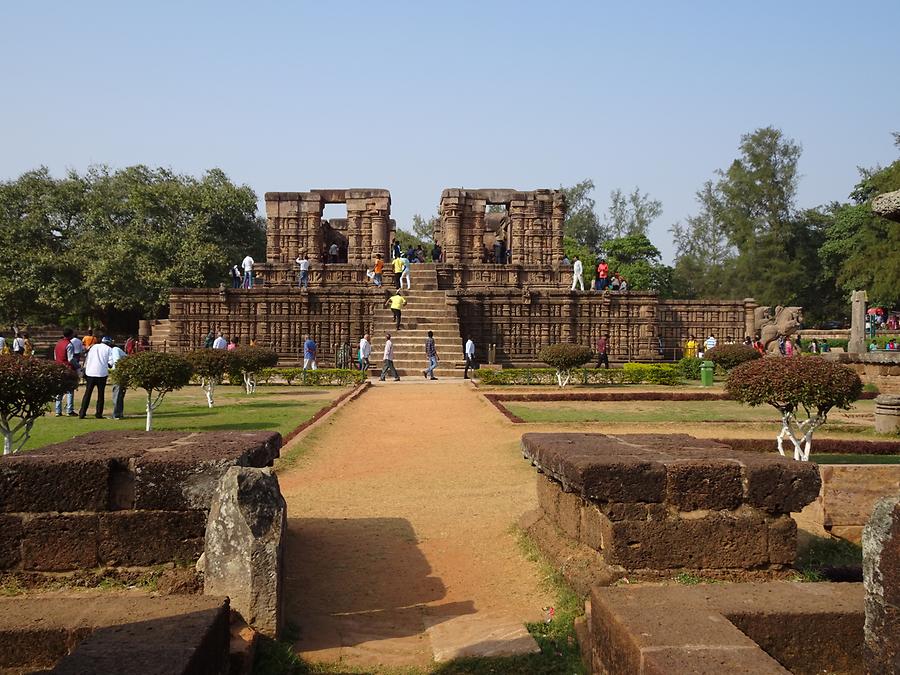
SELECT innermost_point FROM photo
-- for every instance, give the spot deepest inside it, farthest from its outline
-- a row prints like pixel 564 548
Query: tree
pixel 631 214
pixel 565 358
pixel 791 384
pixel 249 361
pixel 423 229
pixel 210 365
pixel 582 226
pixel 731 356
pixel 27 385
pixel 157 373
pixel 638 261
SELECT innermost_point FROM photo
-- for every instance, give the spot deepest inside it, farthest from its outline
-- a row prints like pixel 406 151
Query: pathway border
pixel 340 401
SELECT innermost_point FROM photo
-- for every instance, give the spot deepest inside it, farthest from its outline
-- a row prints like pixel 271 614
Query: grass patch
pixel 817 555
pixel 853 459
pixel 271 408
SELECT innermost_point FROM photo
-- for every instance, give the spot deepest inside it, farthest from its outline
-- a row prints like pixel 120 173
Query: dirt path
pixel 399 534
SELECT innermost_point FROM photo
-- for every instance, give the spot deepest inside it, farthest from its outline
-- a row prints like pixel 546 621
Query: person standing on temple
pixel 469 354
pixel 397 264
pixel 577 272
pixel 303 264
pixel 436 253
pixel 365 350
pixel 388 363
pixel 603 351
pixel 500 247
pixel 431 355
pixel 396 301
pixel 247 264
pixel 333 252
pixel 235 276
pixel 602 275
pixel 378 270
pixel 405 273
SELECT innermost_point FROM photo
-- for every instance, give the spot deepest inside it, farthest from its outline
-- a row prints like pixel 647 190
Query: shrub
pixel 631 373
pixel 690 367
pixel 323 377
pixel 157 373
pixel 210 365
pixel 27 385
pixel 249 362
pixel 789 385
pixel 651 373
pixel 730 356
pixel 565 358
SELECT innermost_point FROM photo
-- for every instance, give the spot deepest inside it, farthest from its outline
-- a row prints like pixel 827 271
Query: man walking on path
pixel 431 354
pixel 365 350
pixel 388 364
pixel 379 270
pixel 247 264
pixel 469 353
pixel 309 353
pixel 64 353
pixel 118 390
pixel 96 370
pixel 577 272
pixel 303 263
pixel 603 351
pixel 396 301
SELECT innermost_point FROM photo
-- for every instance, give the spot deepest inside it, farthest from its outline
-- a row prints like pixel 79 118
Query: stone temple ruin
pixel 517 306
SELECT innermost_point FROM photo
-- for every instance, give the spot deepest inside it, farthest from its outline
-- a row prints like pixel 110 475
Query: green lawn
pixel 637 412
pixel 271 408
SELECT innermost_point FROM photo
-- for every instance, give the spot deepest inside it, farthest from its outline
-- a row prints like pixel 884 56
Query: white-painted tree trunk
pixel 802 438
pixel 563 381
pixel 149 426
pixel 7 442
pixel 249 383
pixel 11 441
pixel 209 387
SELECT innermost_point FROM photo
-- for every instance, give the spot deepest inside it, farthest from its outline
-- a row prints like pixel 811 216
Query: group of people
pixel 19 345
pixel 603 281
pixel 218 340
pixel 92 359
pixel 242 275
pixel 787 346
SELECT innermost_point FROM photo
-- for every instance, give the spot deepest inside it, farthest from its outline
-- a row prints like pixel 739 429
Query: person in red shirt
pixel 64 353
pixel 602 275
pixel 603 351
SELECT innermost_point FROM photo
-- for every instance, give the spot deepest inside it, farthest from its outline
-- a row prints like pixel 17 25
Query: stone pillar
pixel 857 344
pixel 356 252
pixel 450 217
pixel 476 234
pixel 557 220
pixel 881 578
pixel 380 241
pixel 750 317
pixel 887 414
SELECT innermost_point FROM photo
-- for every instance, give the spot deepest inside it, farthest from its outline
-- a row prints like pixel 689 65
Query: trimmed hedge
pixel 631 373
pixel 731 356
pixel 323 377
pixel 690 367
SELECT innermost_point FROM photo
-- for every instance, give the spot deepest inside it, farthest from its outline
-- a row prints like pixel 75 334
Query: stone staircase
pixel 426 309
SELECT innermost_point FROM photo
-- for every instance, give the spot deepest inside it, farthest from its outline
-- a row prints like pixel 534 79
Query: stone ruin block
pixel 881 578
pixel 653 502
pixel 244 539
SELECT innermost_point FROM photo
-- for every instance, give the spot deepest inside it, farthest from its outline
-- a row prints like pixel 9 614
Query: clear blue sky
pixel 419 96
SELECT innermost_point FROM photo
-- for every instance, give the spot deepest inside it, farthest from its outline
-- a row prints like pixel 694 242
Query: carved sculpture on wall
pixel 787 321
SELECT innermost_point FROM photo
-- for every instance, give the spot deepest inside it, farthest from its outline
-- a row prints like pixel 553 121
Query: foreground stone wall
pixel 881 577
pixel 114 498
pixel 657 503
pixel 881 368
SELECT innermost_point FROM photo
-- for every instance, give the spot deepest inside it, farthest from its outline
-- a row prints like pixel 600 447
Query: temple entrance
pixel 334 233
pixel 496 235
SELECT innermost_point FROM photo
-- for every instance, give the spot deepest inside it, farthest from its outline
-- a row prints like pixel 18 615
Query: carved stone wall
pixel 533 233
pixel 295 224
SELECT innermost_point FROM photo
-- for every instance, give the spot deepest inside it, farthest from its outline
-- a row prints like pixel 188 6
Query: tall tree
pixel 638 260
pixel 582 226
pixel 423 228
pixel 631 214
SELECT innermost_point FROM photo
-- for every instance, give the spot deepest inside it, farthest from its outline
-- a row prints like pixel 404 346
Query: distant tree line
pixel 88 246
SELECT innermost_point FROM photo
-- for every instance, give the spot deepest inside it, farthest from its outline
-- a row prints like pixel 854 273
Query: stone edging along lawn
pixel 348 395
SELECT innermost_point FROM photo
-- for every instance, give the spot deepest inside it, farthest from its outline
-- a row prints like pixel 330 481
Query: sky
pixel 419 96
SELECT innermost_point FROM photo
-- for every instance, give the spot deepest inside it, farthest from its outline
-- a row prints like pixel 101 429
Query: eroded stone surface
pixel 881 577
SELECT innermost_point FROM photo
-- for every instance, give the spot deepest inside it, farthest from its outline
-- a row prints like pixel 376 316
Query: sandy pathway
pixel 400 521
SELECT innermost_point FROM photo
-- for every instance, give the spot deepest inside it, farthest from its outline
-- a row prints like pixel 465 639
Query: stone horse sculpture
pixel 785 322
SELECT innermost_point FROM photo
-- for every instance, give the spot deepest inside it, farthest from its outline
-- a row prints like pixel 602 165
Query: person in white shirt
pixel 577 272
pixel 710 342
pixel 118 390
pixel 220 342
pixel 96 370
pixel 303 262
pixel 247 265
pixel 333 253
pixel 405 273
pixel 388 365
pixel 469 353
pixel 365 350
pixel 2 344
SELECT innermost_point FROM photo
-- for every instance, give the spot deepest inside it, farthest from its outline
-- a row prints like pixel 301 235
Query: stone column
pixel 380 235
pixel 881 579
pixel 857 344
pixel 557 221
pixel 477 232
pixel 355 251
pixel 750 306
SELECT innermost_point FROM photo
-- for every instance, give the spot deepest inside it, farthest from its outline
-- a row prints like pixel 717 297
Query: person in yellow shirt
pixel 690 348
pixel 397 264
pixel 396 301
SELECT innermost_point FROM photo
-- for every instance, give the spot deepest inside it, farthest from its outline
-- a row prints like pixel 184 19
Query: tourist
pixel 690 348
pixel 89 340
pixel 395 249
pixel 577 272
pixel 709 343
pixel 873 347
pixel 405 273
pixel 131 342
pixel 378 271
pixel 64 354
pixel 4 350
pixel 207 341
pixel 397 265
pixel 788 347
pixel 759 346
pixel 436 253
pixel 303 264
pixel 365 350
pixel 747 341
pixel 96 370
pixel 247 265
pixel 118 390
pixel 431 355
pixel 388 362
pixel 623 284
pixel 602 274
pixel 235 276
pixel 891 345
pixel 824 346
pixel 396 301
pixel 78 349
pixel 565 261
pixel 333 253
pixel 500 247
pixel 603 351
pixel 18 345
pixel 27 346
pixel 469 354
pixel 219 343
pixel 615 282
pixel 420 254
pixel 309 353
pixel 782 350
pixel 814 346
pixel 233 343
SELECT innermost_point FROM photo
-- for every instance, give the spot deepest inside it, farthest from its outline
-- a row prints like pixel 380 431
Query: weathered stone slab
pixel 60 542
pixel 480 635
pixel 244 539
pixel 881 577
pixel 141 538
